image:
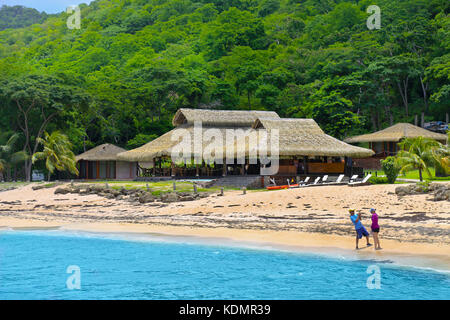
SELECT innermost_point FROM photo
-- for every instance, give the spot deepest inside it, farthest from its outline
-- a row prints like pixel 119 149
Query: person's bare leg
pixel 374 235
pixel 368 242
pixel 357 241
pixel 377 240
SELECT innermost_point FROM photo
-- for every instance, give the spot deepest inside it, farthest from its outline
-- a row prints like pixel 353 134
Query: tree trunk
pixel 420 175
pixel 48 176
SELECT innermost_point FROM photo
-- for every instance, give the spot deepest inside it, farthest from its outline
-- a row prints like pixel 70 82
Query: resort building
pixel 384 143
pixel 304 148
pixel 101 163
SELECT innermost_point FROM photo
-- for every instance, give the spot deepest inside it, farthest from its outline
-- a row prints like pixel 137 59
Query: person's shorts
pixel 375 229
pixel 362 232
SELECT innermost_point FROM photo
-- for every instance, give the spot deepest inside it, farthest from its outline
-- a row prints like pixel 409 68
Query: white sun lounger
pixel 353 178
pixel 361 183
pixel 338 180
pixel 304 183
pixel 325 178
pixel 317 180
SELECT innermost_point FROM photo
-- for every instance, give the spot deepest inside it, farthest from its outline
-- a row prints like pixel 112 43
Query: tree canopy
pixel 122 75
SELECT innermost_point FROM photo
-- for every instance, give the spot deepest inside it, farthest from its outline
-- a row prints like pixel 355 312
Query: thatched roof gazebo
pixel 385 142
pixel 102 162
pixel 396 133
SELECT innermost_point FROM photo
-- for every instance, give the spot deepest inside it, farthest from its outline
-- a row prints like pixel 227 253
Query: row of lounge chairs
pixel 321 181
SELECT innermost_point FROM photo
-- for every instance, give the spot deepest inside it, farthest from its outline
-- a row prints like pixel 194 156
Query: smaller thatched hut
pixel 101 163
pixel 385 142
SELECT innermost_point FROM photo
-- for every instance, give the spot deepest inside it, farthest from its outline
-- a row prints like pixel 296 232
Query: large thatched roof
pixel 219 118
pixel 304 137
pixel 163 145
pixel 104 152
pixel 297 137
pixel 397 132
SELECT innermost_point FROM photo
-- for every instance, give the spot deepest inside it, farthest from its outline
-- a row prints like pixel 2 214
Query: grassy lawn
pixel 7 185
pixel 413 175
pixel 161 186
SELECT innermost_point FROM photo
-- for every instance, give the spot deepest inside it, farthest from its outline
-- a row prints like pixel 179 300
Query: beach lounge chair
pixel 338 180
pixel 305 182
pixel 325 178
pixel 353 178
pixel 316 181
pixel 364 182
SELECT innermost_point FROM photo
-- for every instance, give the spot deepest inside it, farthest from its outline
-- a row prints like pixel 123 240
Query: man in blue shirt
pixel 360 230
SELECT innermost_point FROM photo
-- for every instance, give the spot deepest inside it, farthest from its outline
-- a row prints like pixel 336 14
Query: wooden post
pixel 174 186
pixel 221 191
pixel 224 170
pixel 87 169
pixel 422 119
pixel 195 187
pixel 244 190
pixel 305 164
pixel 98 169
pixel 172 169
pixel 416 120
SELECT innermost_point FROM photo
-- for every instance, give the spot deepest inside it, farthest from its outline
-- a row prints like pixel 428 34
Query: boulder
pixel 146 198
pixel 169 197
pixel 62 191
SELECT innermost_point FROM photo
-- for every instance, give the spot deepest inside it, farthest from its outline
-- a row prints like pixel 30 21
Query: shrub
pixel 378 180
pixel 390 168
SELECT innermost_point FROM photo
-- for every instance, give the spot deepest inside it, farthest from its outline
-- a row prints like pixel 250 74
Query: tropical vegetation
pixel 121 76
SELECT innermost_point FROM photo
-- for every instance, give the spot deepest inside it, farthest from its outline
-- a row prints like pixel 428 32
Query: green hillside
pixel 133 63
pixel 13 17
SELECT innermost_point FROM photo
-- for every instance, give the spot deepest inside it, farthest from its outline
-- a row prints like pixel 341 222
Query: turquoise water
pixel 33 265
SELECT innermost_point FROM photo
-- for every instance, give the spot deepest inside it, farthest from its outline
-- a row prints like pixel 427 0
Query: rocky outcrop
pixel 131 195
pixel 441 191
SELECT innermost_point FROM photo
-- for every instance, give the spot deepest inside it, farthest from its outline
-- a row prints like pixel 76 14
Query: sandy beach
pixel 309 219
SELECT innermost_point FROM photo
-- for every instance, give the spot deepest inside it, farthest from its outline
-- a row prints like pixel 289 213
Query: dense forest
pixel 19 17
pixel 133 63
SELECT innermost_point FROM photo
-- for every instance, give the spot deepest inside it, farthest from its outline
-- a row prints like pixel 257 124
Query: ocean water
pixel 34 265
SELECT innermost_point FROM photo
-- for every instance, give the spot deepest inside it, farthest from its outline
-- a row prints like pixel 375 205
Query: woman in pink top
pixel 375 229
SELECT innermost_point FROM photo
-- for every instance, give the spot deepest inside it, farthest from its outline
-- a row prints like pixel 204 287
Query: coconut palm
pixel 57 153
pixel 8 157
pixel 417 154
pixel 441 156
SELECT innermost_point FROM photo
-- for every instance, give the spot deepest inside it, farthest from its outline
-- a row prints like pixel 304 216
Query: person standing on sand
pixel 375 229
pixel 360 230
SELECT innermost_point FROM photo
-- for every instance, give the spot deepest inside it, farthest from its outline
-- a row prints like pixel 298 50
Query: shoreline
pixel 416 255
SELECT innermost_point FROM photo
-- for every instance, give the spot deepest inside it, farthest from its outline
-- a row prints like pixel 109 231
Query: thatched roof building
pixel 102 162
pixel 297 137
pixel 103 152
pixel 184 121
pixel 396 133
pixel 304 137
pixel 220 118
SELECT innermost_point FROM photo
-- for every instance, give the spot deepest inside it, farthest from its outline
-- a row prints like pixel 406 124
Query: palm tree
pixel 8 157
pixel 417 154
pixel 57 153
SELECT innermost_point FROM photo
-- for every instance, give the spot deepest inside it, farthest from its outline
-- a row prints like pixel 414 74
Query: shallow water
pixel 33 265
